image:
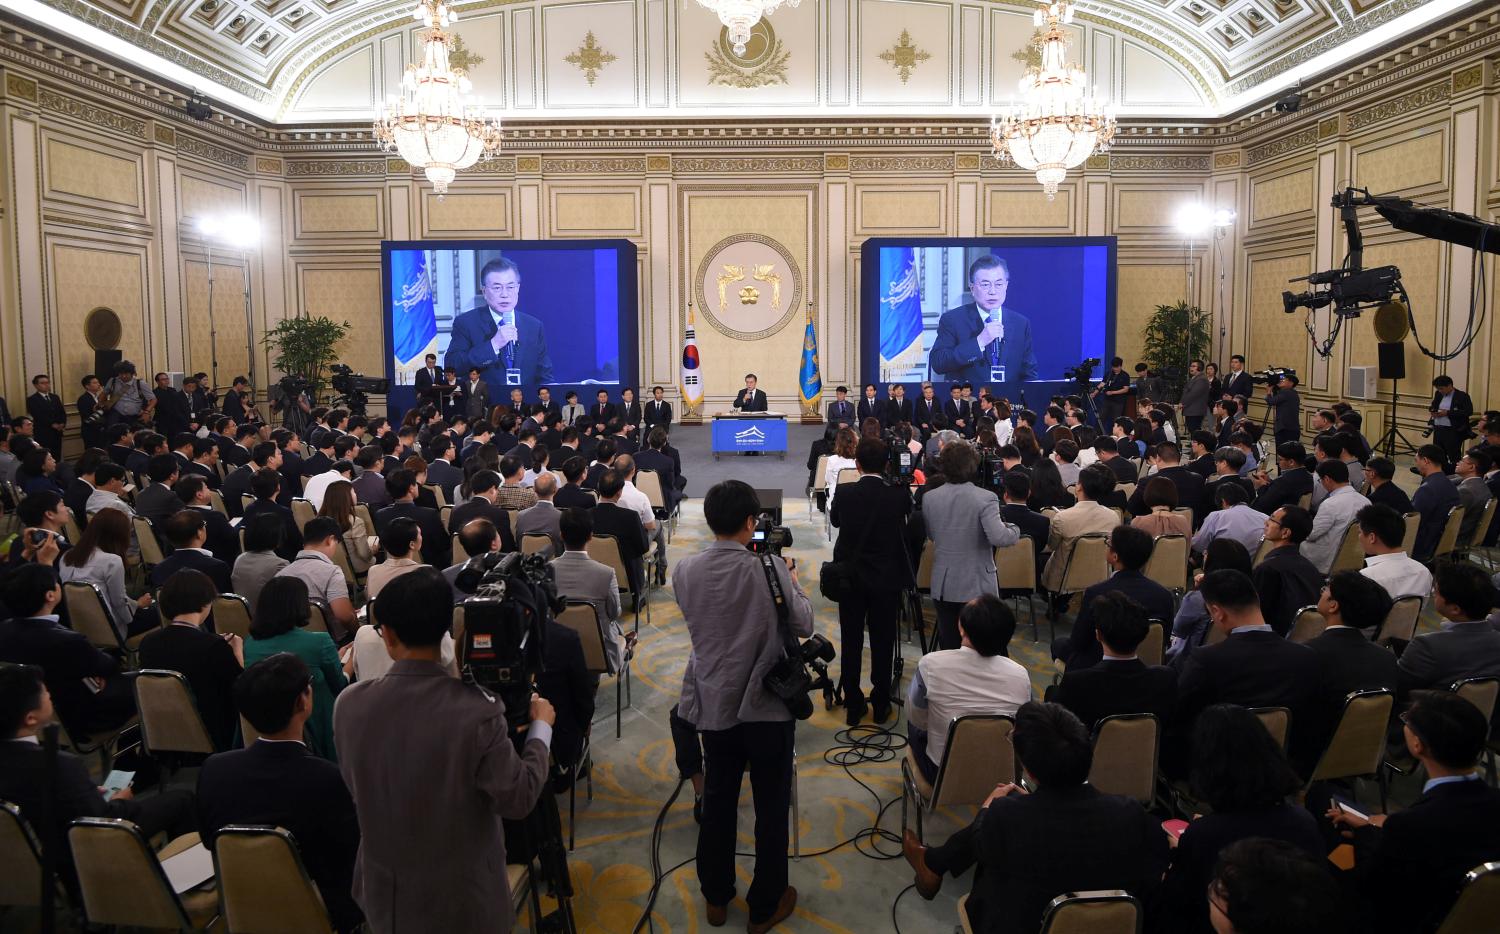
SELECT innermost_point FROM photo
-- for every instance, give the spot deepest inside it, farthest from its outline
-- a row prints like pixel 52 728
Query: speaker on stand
pixel 1392 324
pixel 102 332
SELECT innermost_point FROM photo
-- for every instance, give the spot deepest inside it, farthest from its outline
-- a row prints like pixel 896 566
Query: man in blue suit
pixel 508 346
pixel 981 341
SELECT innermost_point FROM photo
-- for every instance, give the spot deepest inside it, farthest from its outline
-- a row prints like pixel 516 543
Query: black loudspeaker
pixel 1392 360
pixel 104 363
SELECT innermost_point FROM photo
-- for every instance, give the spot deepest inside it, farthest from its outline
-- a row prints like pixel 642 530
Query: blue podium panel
pixel 736 435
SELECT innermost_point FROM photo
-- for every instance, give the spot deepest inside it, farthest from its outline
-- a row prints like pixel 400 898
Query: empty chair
pixel 1087 564
pixel 1308 624
pixel 263 884
pixel 122 882
pixel 1015 573
pixel 170 722
pixel 1168 564
pixel 1481 692
pixel 1478 903
pixel 232 614
pixel 1106 911
pixel 20 861
pixel 978 757
pixel 1125 749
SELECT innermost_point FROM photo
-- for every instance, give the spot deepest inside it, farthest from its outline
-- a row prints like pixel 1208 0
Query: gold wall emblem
pixel 749 295
pixel 764 62
pixel 589 58
pixel 904 56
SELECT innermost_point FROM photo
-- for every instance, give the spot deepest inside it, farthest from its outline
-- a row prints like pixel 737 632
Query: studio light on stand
pixel 1197 221
pixel 238 232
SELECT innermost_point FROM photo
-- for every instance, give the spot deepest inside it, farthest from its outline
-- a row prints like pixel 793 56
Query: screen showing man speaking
pixel 989 312
pixel 526 315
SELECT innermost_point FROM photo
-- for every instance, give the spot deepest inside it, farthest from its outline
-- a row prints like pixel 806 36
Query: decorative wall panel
pixel 1018 208
pixel 350 293
pixel 1276 337
pixel 467 212
pixel 606 212
pixel 1414 160
pixel 886 211
pixel 84 277
pixel 338 214
pixel 1281 196
pixel 92 173
pixel 202 197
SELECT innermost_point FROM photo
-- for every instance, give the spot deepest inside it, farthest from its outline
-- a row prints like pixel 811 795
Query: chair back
pixel 820 474
pixel 247 498
pixel 459 555
pixel 87 614
pixel 248 732
pixel 535 542
pixel 445 513
pixel 1413 523
pixel 1125 748
pixel 1127 490
pixel 1015 565
pixel 150 545
pixel 341 558
pixel 1168 564
pixel 1351 555
pixel 924 566
pixel 1305 501
pixel 20 860
pixel 170 721
pixel 1449 539
pixel 1307 625
pixel 317 617
pixel 1213 635
pixel 1478 903
pixel 1480 692
pixel 457 629
pixel 1400 624
pixel 263 884
pixel 582 616
pixel 71 527
pixel 978 757
pixel 1105 911
pixel 1088 563
pixel 363 511
pixel 120 878
pixel 1277 721
pixel 437 493
pixel 1154 647
pixel 847 475
pixel 605 549
pixel 303 512
pixel 232 614
pixel 1261 550
pixel 1357 746
pixel 217 501
pixel 649 482
pixel 1480 527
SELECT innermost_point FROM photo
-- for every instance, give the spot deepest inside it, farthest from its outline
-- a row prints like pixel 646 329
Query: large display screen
pixel 528 314
pixel 995 312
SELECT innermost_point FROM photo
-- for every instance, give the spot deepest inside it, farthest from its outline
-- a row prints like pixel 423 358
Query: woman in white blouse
pixel 338 504
pixel 844 444
pixel 99 559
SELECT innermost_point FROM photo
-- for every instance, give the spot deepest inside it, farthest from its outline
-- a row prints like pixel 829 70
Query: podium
pixel 742 432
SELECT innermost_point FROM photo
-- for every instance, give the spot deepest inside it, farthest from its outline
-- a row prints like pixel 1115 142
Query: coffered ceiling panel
pixel 312 60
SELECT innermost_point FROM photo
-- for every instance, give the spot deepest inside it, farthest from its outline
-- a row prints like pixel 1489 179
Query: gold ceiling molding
pixel 500 165
pixel 212 152
pixel 590 58
pixel 836 162
pixel 915 163
pixel 88 113
pixel 268 164
pixel 1397 106
pixel 1471 77
pixel 164 134
pixel 20 86
pixel 904 56
pixel 658 163
pixel 966 161
pixel 1159 163
pixel 1226 160
pixel 1099 160
pixel 1328 129
pixel 1307 136
pixel 712 165
pixel 600 165
pixel 763 63
pixel 398 167
pixel 327 167
pixel 528 163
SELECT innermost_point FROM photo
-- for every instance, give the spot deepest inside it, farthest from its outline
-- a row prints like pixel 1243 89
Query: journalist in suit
pixel 964 523
pixel 1121 683
pixel 472 342
pixel 1195 394
pixel 658 412
pixel 870 515
pixel 1450 410
pixel 968 344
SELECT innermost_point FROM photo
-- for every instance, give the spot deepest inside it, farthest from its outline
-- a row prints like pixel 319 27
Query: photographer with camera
pixel 1284 401
pixel 431 765
pixel 733 624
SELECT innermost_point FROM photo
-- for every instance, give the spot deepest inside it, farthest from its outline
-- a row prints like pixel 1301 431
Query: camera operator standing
pixel 733 627
pixel 871 518
pixel 433 769
pixel 1284 401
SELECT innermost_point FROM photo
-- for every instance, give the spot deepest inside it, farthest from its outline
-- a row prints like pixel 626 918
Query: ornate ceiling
pixel 315 60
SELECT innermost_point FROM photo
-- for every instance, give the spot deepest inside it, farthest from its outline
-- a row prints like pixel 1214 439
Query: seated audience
pixel 1381 488
pixel 281 619
pixel 109 485
pixel 1285 579
pixel 1088 516
pixel 403 546
pixel 571 495
pixel 1121 682
pixel 1334 515
pixel 277 781
pixel 209 662
pixel 513 493
pixel 1232 518
pixel 1434 499
pixel 325 580
pixel 1270 887
pixel 543 516
pixel 624 525
pixel 1293 480
pixel 98 558
pixel 1466 646
pixel 159 499
pixel 975 678
pixel 223 542
pixel 1013 509
pixel 1382 531
pixel 1128 551
pixel 259 562
pixel 1409 865
pixel 1160 497
pixel 579 577
pixel 266 487
pixel 339 501
pixel 403 485
pixel 188 533
pixel 1031 848
pixel 1347 658
pixel 1473 492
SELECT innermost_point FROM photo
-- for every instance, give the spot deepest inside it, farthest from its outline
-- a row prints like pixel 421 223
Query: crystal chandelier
pixel 740 16
pixel 1059 121
pixel 430 125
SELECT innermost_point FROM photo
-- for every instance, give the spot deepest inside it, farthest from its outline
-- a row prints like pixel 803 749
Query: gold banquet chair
pixel 1307 625
pixel 1478 903
pixel 1105 911
pixel 978 756
pixel 123 884
pixel 263 884
pixel 1357 747
pixel 1125 751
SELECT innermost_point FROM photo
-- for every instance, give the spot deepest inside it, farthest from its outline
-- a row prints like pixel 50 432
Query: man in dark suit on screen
pixel 508 346
pixel 750 399
pixel 981 341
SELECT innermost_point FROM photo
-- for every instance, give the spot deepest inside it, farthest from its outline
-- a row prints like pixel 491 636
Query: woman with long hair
pixel 339 500
pixel 98 558
pixel 1047 487
pixel 1004 429
pixel 1025 441
pixel 280 626
pixel 418 466
pixel 1190 625
pixel 844 444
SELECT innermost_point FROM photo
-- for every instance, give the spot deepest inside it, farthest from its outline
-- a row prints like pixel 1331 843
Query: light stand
pixel 243 232
pixel 1196 220
pixel 1387 443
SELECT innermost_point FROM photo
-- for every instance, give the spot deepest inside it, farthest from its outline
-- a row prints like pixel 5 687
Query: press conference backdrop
pixel 575 309
pixel 1058 292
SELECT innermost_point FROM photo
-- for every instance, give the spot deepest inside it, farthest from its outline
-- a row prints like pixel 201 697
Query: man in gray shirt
pixel 325 581
pixel 733 627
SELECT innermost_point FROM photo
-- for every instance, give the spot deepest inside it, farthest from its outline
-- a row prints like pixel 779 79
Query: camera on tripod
pixel 293 386
pixel 1272 375
pixel 513 597
pixel 768 537
pixel 1083 372
pixel 903 463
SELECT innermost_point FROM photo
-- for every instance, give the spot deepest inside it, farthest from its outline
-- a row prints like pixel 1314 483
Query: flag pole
pixel 809 372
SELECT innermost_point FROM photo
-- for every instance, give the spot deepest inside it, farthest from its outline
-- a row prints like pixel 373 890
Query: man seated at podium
pixel 750 399
pixel 509 347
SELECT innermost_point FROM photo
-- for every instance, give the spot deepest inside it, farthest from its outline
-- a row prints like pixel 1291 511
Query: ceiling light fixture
pixel 431 125
pixel 1060 122
pixel 740 16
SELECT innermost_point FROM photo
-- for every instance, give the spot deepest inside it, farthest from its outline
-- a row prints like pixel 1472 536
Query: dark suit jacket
pixel 1238 384
pixel 1433 499
pixel 156 502
pixel 370 488
pixel 869 408
pixel 208 664
pixel 1285 490
pixel 426 380
pixel 923 413
pixel 1458 414
pixel 1039 846
pixel 1124 470
pixel 469 346
pixel 437 547
pixel 666 471
pixel 871 518
pixel 209 475
pixel 314 464
pixel 625 525
pixel 655 417
pixel 601 415
pixel 445 477
pixel 841 413
pixel 291 537
pixel 1389 494
pixel 567 684
pixel 898 411
pixel 1411 869
pixel 1137 586
pixel 172 412
pixel 66 658
pixel 953 411
pixel 571 496
pixel 1116 687
pixel 236 484
pixel 1286 582
pixel 630 413
pixel 480 508
pixel 23 783
pixel 1030 523
pixel 93 432
pixel 1252 669
pixel 185 560
pixel 1202 466
pixel 234 454
pixel 76 498
pixel 119 453
pixel 1207 503
pixel 45 411
pixel 956 355
pixel 1437 659
pixel 285 785
pixel 750 402
pixel 1348 661
pixel 223 538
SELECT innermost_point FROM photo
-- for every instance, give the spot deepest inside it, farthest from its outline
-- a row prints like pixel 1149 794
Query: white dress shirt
pixel 954 682
pixel 371 660
pixel 1399 575
pixel 1334 515
pixel 318 485
pixel 632 498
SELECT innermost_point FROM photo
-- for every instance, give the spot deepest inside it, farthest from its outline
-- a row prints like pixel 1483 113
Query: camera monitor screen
pixel 527 314
pixel 998 312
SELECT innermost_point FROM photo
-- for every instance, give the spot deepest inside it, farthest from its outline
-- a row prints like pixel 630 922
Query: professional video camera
pixel 1272 375
pixel 354 389
pixel 992 471
pixel 903 463
pixel 1083 372
pixel 293 386
pixel 768 537
pixel 1349 290
pixel 788 678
